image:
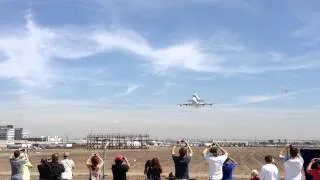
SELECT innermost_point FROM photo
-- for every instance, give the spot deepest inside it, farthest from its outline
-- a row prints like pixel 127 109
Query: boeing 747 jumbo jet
pixel 196 102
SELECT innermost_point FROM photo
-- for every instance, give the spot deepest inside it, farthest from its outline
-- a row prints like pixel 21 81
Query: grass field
pixel 248 159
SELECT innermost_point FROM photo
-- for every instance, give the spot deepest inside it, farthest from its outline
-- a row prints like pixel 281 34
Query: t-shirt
pixel 227 170
pixel 43 171
pixel 154 173
pixel 181 165
pixel 315 173
pixel 254 178
pixel 26 171
pixel 17 166
pixel 293 168
pixel 55 169
pixel 269 172
pixel 119 171
pixel 67 164
pixel 95 174
pixel 215 165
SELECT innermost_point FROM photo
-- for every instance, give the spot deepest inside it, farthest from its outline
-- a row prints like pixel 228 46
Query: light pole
pixel 104 159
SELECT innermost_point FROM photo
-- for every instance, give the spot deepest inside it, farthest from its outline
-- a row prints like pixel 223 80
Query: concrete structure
pixel 7 133
pixel 117 141
pixel 54 139
pixel 21 134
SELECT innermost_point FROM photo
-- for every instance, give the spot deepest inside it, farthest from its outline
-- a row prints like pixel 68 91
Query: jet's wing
pixel 206 104
pixel 184 104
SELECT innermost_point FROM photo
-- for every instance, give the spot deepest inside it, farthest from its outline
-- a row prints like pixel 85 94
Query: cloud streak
pixel 130 89
pixel 264 98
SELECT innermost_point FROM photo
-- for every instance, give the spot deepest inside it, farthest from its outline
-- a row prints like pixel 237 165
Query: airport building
pixel 7 134
pixel 21 134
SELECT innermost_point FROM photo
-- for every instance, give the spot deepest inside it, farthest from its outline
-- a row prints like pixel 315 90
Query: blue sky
pixel 74 61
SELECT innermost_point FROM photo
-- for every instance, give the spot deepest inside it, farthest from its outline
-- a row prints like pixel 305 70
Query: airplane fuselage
pixel 196 102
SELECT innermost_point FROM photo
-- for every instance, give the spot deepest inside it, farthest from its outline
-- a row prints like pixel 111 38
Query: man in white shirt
pixel 293 163
pixel 68 166
pixel 215 161
pixel 269 171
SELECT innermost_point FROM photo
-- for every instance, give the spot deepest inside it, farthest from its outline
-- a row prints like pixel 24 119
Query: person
pixel 254 175
pixel 155 170
pixel 315 173
pixel 293 164
pixel 43 169
pixel 55 168
pixel 17 164
pixel 26 166
pixel 228 166
pixel 68 165
pixel 269 171
pixel 94 164
pixel 119 169
pixel 146 168
pixel 181 162
pixel 215 160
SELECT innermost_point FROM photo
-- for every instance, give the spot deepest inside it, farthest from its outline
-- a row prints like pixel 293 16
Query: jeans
pixel 16 177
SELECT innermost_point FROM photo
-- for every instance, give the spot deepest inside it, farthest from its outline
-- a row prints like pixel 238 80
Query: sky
pixel 70 67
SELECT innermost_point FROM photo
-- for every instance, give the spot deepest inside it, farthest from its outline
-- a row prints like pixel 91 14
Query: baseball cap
pixel 119 158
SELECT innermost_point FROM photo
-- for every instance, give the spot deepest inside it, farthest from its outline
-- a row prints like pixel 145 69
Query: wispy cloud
pixel 29 51
pixel 264 98
pixel 307 15
pixel 130 89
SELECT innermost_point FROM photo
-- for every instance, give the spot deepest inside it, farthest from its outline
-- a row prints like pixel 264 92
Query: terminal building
pixel 8 134
pixel 21 134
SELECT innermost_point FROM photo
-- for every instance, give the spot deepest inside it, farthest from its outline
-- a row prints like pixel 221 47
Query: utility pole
pixel 104 159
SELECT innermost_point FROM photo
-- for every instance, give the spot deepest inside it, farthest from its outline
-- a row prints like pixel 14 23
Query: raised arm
pixel 309 167
pixel 205 151
pixel 28 164
pixel 234 161
pixel 173 151
pixel 89 162
pixel 284 151
pixel 73 165
pixel 224 152
pixel 100 161
pixel 190 149
pixel 126 161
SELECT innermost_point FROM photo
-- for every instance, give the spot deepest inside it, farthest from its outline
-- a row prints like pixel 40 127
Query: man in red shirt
pixel 315 173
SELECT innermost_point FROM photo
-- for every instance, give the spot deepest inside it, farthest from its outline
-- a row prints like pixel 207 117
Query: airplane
pixel 196 102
